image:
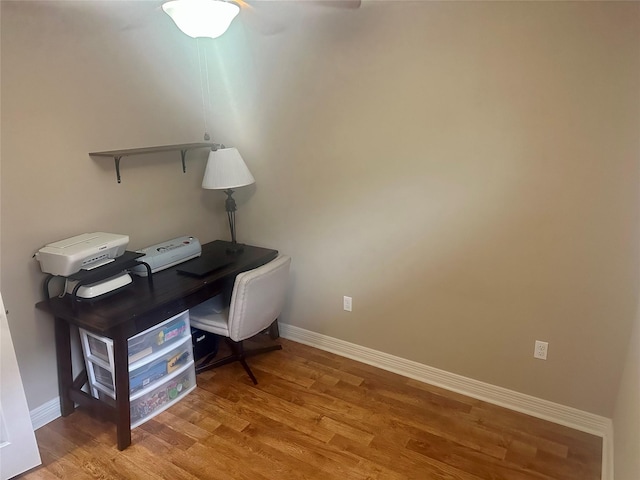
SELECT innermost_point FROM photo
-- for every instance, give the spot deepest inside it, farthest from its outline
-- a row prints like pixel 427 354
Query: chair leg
pixel 257 351
pixel 239 354
pixel 239 349
pixel 274 331
pixel 248 370
pixel 209 358
pixel 203 367
pixel 210 363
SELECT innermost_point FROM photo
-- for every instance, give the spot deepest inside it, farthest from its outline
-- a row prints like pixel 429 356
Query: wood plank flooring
pixel 315 415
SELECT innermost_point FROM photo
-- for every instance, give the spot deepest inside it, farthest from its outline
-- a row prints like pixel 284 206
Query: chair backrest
pixel 258 298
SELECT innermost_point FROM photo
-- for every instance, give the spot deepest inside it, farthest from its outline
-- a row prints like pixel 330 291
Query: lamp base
pixel 234 248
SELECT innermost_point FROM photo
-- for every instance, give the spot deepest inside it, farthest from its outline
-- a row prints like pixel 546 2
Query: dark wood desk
pixel 135 308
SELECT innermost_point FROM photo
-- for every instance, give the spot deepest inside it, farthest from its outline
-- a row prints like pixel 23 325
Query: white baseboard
pixel 520 402
pixel 45 413
pixel 607 452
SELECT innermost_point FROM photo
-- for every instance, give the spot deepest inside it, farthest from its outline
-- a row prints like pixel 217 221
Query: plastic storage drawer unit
pixel 161 366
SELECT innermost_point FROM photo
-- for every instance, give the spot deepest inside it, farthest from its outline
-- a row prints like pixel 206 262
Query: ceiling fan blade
pixel 270 17
pixel 261 16
pixel 347 4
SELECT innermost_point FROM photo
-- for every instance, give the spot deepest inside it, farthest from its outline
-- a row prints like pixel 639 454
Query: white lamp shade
pixel 226 169
pixel 201 18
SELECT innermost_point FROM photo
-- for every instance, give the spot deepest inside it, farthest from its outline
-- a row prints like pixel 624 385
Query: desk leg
pixel 121 361
pixel 65 369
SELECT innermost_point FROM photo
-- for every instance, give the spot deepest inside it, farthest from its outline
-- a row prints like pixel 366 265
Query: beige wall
pixel 467 172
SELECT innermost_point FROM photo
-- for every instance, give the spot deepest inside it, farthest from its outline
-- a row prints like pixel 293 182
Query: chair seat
pixel 205 317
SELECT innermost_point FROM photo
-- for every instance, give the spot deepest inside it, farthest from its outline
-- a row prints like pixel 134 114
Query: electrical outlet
pixel 540 350
pixel 346 303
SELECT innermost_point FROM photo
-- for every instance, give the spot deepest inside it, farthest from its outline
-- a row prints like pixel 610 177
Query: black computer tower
pixel 204 343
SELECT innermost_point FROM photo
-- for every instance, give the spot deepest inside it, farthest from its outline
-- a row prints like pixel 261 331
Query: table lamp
pixel 226 170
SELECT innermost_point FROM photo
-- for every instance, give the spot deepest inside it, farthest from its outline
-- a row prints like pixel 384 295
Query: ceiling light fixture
pixel 201 18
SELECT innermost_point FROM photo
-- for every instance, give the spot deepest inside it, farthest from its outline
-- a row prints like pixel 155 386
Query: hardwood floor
pixel 315 415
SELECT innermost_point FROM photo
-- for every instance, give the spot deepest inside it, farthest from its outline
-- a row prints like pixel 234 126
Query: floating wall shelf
pixel 118 154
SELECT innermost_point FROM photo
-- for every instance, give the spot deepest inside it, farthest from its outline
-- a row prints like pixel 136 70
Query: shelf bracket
pixel 183 155
pixel 117 161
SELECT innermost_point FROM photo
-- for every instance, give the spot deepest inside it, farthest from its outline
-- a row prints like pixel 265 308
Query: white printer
pixel 85 252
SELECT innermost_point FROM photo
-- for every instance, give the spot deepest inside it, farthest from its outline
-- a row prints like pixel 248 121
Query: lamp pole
pixel 230 207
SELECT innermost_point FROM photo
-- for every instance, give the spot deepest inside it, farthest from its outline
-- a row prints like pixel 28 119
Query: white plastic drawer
pixel 154 371
pixel 168 332
pixel 97 348
pixel 100 375
pixel 151 403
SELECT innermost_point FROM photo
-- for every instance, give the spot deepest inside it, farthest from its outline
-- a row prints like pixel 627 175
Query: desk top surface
pixel 139 304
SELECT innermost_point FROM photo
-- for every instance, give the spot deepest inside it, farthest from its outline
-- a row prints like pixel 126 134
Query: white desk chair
pixel 256 302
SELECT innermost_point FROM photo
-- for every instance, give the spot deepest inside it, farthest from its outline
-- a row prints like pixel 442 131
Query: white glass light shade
pixel 201 18
pixel 226 169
